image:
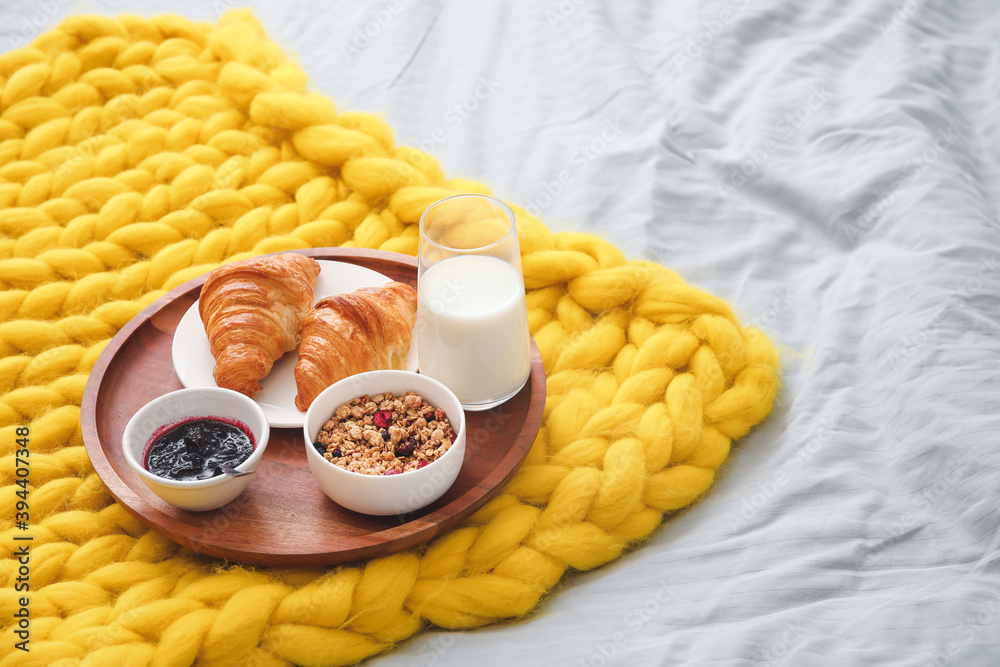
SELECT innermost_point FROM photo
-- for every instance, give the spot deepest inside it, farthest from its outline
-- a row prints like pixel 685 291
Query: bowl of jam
pixel 189 446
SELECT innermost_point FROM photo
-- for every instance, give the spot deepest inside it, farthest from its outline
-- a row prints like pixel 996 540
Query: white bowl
pixel 198 495
pixel 385 495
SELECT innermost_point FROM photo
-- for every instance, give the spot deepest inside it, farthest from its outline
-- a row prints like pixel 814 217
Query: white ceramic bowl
pixel 385 495
pixel 199 495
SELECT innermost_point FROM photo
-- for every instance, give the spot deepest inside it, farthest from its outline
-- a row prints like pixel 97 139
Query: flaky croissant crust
pixel 252 311
pixel 368 329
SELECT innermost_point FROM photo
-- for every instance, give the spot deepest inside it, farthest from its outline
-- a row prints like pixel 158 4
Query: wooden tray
pixel 283 518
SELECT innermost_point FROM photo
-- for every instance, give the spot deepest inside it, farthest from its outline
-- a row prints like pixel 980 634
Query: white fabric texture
pixel 828 167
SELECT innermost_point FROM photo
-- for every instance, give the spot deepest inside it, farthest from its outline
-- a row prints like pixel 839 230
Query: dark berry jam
pixel 197 447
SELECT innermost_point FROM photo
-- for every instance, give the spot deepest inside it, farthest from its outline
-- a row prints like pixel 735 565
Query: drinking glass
pixel 472 319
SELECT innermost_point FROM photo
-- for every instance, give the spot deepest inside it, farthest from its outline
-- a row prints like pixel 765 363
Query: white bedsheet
pixel 830 168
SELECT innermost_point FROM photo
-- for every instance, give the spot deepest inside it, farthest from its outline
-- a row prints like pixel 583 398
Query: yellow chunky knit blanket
pixel 137 153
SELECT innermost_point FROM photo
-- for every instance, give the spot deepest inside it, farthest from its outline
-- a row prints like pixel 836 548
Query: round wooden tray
pixel 283 518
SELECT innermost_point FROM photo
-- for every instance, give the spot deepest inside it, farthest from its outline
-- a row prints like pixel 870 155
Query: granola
pixel 385 434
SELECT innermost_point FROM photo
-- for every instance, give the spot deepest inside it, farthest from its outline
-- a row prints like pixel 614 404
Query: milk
pixel 472 328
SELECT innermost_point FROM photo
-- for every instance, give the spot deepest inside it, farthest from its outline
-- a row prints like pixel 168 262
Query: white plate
pixel 193 360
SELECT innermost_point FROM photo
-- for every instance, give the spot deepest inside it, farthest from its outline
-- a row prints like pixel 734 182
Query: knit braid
pixel 138 153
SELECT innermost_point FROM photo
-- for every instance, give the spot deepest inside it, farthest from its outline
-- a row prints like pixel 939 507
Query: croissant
pixel 252 311
pixel 366 330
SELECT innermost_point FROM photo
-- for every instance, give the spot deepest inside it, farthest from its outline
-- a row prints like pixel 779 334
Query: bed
pixel 831 170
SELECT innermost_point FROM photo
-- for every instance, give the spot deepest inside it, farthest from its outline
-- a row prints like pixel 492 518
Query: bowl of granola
pixel 385 442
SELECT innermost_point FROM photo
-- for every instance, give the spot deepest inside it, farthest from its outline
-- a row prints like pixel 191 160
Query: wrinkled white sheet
pixel 829 167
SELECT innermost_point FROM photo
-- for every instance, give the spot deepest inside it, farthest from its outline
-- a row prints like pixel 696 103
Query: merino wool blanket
pixel 138 153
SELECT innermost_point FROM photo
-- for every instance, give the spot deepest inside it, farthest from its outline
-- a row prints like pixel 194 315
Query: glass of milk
pixel 472 320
